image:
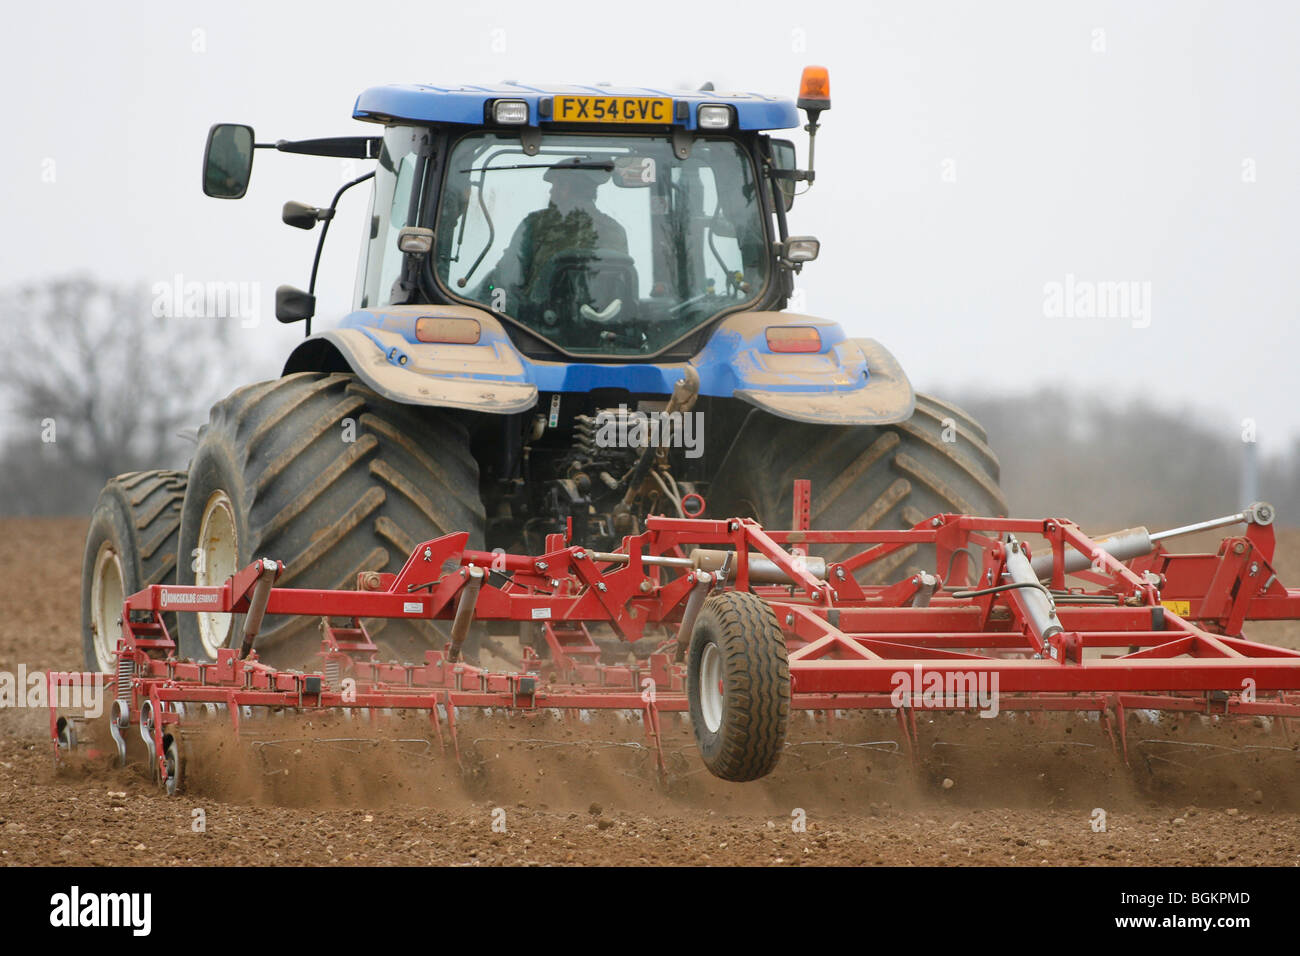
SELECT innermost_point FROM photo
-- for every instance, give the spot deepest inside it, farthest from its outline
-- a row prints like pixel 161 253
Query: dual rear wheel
pixel 133 542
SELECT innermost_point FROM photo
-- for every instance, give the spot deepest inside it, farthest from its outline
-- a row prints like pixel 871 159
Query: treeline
pixel 94 383
pixel 1106 466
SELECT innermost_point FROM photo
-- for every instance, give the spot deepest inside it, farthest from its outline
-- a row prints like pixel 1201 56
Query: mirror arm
pixel 324 231
pixel 341 147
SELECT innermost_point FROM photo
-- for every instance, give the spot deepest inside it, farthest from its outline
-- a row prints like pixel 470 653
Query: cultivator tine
pixel 654 734
pixel 436 725
pixel 907 729
pixel 1122 722
pixel 465 610
pixel 451 726
pixel 1103 717
pixel 119 720
pixel 1159 632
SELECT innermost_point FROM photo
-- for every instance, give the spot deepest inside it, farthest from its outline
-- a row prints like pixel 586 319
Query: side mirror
pixel 784 159
pixel 293 305
pixel 228 161
pixel 300 215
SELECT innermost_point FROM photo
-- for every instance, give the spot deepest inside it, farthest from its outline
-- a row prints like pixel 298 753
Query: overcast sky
pixel 974 155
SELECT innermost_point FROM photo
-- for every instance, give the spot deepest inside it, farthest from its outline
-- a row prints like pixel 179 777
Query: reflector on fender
pixel 432 328
pixel 793 338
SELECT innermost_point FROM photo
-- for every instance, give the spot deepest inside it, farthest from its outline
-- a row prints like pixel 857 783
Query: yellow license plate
pixel 612 109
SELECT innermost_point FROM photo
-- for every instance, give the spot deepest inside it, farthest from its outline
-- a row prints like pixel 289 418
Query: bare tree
pixel 98 384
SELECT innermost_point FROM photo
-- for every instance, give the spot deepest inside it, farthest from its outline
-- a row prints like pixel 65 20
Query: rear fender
pixel 379 345
pixel 847 382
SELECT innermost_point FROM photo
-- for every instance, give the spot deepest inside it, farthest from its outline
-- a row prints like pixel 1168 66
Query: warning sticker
pixel 412 607
pixel 541 613
pixel 1181 608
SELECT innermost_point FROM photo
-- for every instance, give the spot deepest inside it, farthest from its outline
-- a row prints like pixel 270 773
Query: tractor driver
pixel 570 221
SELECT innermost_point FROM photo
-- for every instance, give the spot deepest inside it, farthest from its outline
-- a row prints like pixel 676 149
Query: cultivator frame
pixel 1160 631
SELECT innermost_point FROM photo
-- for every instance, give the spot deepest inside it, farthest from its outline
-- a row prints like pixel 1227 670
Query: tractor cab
pixel 590 221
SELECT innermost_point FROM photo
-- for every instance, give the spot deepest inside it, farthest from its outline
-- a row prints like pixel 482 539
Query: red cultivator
pixel 753 626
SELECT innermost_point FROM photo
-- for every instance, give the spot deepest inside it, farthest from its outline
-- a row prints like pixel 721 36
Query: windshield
pixel 602 244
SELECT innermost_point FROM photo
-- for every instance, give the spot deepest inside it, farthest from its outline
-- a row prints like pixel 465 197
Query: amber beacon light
pixel 815 89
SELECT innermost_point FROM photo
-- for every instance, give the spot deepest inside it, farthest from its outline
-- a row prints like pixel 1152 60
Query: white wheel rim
pixel 711 687
pixel 107 592
pixel 219 551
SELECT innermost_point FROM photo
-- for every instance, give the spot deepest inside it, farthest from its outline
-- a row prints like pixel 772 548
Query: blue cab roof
pixel 426 103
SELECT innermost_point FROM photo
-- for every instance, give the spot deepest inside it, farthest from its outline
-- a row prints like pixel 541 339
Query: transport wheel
pixel 132 543
pixel 863 477
pixel 738 686
pixel 318 471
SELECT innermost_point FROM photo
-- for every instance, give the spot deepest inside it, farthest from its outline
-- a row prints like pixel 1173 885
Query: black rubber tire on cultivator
pixel 322 473
pixel 737 644
pixel 887 477
pixel 131 544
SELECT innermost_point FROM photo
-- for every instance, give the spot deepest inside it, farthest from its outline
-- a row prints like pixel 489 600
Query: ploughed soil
pixel 543 790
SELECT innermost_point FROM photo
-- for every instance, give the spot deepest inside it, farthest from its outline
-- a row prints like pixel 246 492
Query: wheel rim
pixel 711 687
pixel 107 592
pixel 219 550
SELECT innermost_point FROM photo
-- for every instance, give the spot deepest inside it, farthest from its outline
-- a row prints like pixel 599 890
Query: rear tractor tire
pixel 863 477
pixel 738 686
pixel 132 543
pixel 320 472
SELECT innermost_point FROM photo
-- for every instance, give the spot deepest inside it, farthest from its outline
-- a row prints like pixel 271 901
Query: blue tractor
pixel 569 314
